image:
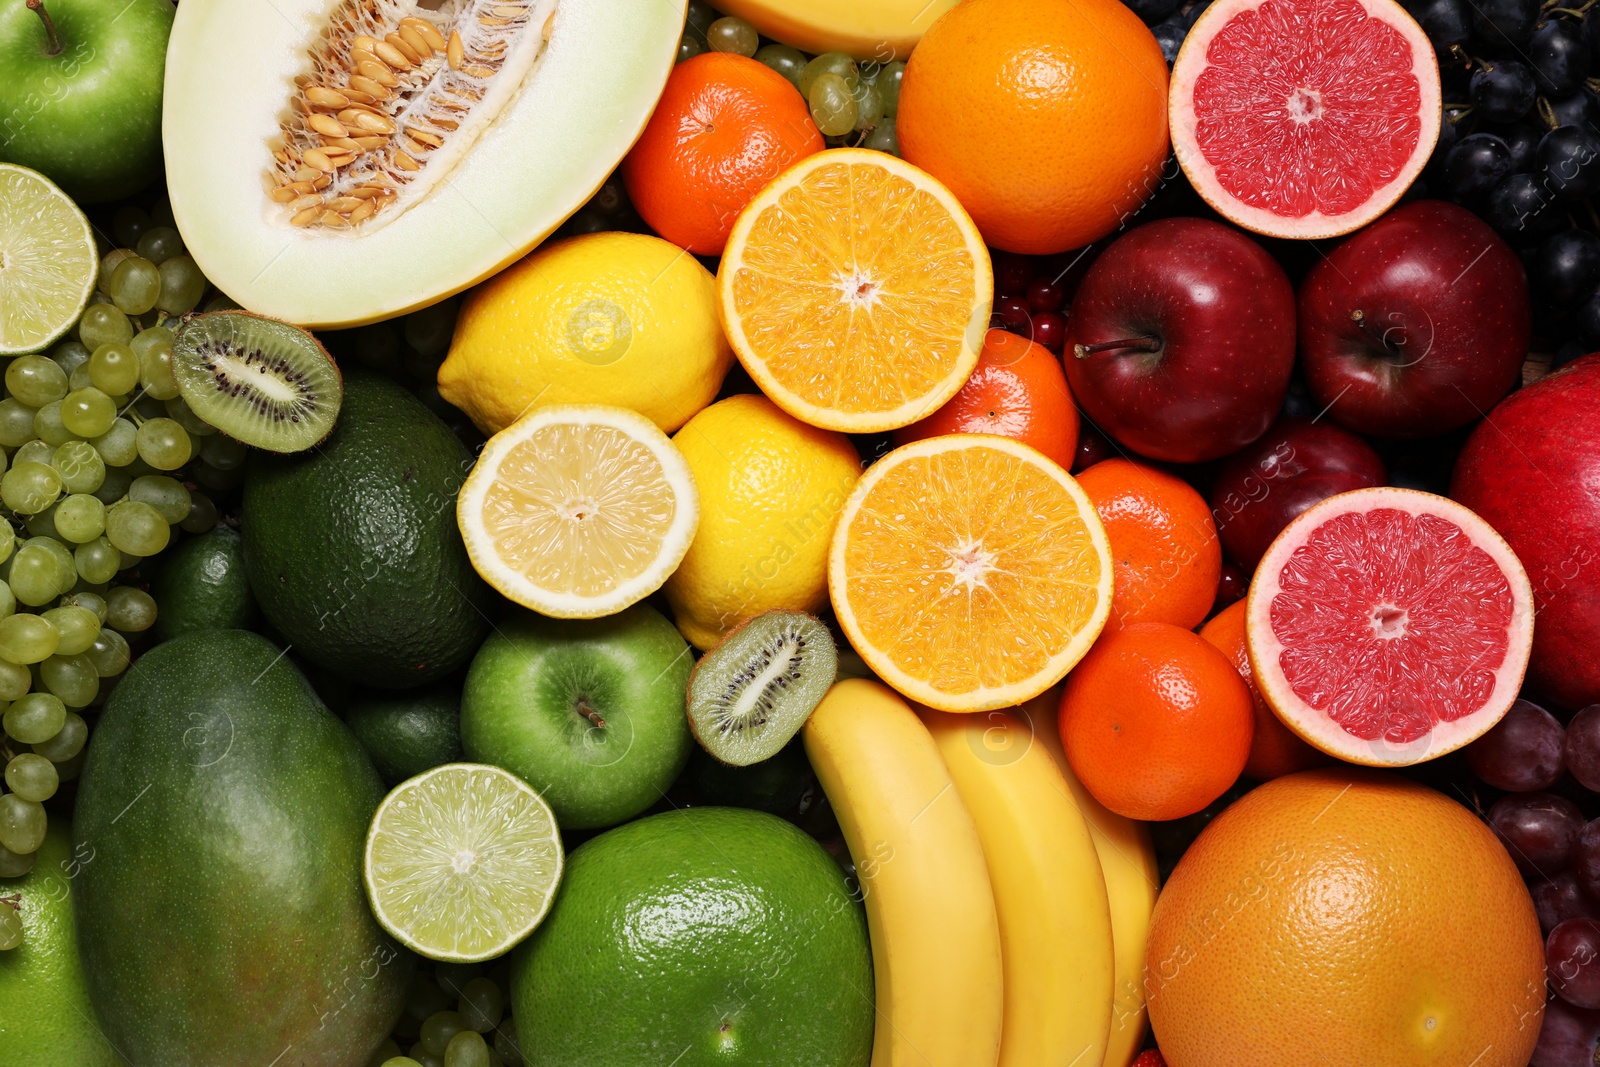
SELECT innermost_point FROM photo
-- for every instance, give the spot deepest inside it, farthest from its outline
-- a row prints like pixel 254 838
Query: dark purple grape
pixel 1569 1037
pixel 1585 862
pixel 1169 34
pixel 1477 163
pixel 1582 108
pixel 1570 156
pixel 1503 90
pixel 1538 829
pixel 1572 962
pixel 1566 269
pixel 1523 140
pixel 1523 205
pixel 1583 743
pixel 1151 12
pixel 1499 21
pixel 1446 22
pixel 1559 55
pixel 1522 752
pixel 1559 899
pixel 1588 319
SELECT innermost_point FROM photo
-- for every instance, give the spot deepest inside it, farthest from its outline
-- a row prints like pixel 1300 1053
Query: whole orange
pixel 1046 118
pixel 1345 916
pixel 1276 750
pixel 1155 721
pixel 1018 390
pixel 1164 544
pixel 725 126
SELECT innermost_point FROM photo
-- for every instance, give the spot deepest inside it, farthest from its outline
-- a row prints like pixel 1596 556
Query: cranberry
pixel 1050 330
pixel 1092 448
pixel 1012 314
pixel 1046 294
pixel 1232 586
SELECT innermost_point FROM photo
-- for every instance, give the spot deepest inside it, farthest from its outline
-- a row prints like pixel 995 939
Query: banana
pixel 1128 861
pixel 867 29
pixel 935 938
pixel 1055 921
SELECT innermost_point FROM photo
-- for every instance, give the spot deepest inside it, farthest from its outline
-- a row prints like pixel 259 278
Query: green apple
pixel 590 712
pixel 80 97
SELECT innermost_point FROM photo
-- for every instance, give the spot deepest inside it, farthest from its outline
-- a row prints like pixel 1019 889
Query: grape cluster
pixel 455 1016
pixel 851 103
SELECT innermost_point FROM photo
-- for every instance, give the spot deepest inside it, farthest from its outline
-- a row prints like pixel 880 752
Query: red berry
pixel 1232 586
pixel 1012 273
pixel 1013 315
pixel 1050 330
pixel 1045 294
pixel 1149 1058
pixel 1092 448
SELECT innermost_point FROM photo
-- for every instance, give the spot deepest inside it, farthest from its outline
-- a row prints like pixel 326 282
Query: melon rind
pixel 1318 729
pixel 230 74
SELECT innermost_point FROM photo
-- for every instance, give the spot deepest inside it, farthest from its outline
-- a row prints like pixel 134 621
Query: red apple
pixel 1180 340
pixel 1295 464
pixel 1532 470
pixel 1416 325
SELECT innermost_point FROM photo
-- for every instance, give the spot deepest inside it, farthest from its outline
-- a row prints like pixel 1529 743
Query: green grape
pixel 89 601
pixel 22 824
pixel 8 541
pixel 202 514
pixel 179 412
pixel 26 638
pixel 155 371
pixel 732 34
pixel 785 60
pixel 468 1048
pixel 689 46
pixel 35 451
pixel 36 380
pixel 482 1005
pixel 69 356
pixel 10 927
pixel 135 284
pixel 130 610
pixel 48 425
pixel 32 777
pixel 35 577
pixel 439 1029
pixel 62 553
pixel 68 742
pixel 166 495
pixel 97 561
pixel 88 412
pixel 148 340
pixel 8 607
pixel 129 224
pixel 883 138
pixel 114 369
pixel 505 1043
pixel 16 422
pixel 77 623
pixel 833 109
pixel 44 523
pixel 80 466
pixel 136 528
pixel 163 444
pixel 700 16
pixel 109 654
pixel 114 487
pixel 15 680
pixel 888 82
pixel 104 324
pixel 182 286
pixel 69 769
pixel 869 105
pixel 80 517
pixel 118 446
pixel 384 1053
pixel 28 488
pixel 79 379
pixel 13 865
pixel 108 263
pixel 827 63
pixel 159 244
pixel 223 452
pixel 148 407
pixel 34 717
pixel 399 1061
pixel 74 679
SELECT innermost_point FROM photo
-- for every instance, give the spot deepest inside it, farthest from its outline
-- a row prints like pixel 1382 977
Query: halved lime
pixel 462 862
pixel 47 261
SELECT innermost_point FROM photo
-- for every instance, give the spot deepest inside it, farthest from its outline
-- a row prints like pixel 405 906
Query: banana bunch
pixel 1008 910
pixel 877 29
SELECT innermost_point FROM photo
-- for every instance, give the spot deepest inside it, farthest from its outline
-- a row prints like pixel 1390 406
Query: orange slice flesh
pixel 856 291
pixel 970 572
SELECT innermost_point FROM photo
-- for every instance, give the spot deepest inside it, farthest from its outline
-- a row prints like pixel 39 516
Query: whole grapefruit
pixel 1046 118
pixel 1532 471
pixel 1345 916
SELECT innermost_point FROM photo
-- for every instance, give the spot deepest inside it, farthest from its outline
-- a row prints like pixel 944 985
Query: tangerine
pixel 1276 750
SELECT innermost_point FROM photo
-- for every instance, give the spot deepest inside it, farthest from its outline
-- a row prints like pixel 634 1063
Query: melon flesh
pixel 553 123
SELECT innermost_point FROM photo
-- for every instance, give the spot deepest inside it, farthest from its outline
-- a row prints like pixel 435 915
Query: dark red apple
pixel 1180 340
pixel 1532 470
pixel 1416 325
pixel 1295 464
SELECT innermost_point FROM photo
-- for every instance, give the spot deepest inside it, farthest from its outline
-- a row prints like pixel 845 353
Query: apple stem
pixel 589 713
pixel 54 47
pixel 1138 344
pixel 1390 346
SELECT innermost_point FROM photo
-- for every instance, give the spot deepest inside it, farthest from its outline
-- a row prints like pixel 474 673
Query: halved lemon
pixel 577 511
pixel 856 291
pixel 48 261
pixel 969 571
pixel 462 862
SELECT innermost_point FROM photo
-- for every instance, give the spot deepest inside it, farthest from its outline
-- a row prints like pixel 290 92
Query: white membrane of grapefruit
pixel 1304 118
pixel 1389 626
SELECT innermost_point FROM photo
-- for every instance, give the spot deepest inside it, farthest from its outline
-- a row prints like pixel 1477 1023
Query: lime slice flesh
pixel 462 862
pixel 47 261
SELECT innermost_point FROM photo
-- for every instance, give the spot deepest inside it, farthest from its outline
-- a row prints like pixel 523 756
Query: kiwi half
pixel 264 382
pixel 751 694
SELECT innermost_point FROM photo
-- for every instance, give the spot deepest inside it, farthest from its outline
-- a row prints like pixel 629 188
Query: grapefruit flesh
pixel 1389 626
pixel 1304 119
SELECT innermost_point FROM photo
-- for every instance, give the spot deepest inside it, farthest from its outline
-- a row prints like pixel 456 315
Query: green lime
pixel 47 261
pixel 462 862
pixel 704 936
pixel 200 584
pixel 406 733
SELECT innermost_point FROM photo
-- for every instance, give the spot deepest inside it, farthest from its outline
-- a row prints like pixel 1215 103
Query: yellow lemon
pixel 771 489
pixel 608 318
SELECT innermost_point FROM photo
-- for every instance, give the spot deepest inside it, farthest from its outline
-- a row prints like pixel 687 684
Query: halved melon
pixel 335 162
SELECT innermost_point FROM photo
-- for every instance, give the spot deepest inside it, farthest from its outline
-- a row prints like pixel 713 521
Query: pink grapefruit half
pixel 1304 118
pixel 1389 626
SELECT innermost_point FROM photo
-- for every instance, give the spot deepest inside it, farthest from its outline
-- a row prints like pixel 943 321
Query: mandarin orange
pixel 1276 750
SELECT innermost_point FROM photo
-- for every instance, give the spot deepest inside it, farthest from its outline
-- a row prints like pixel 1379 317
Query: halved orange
pixel 969 571
pixel 856 291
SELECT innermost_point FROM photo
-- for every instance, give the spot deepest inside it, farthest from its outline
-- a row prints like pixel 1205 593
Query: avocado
pixel 408 733
pixel 352 548
pixel 221 916
pixel 201 585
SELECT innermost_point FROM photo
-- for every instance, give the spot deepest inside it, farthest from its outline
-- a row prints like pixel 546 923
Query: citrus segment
pixel 578 511
pixel 462 862
pixel 1304 119
pixel 47 261
pixel 1389 626
pixel 969 571
pixel 856 291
